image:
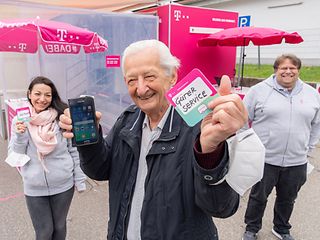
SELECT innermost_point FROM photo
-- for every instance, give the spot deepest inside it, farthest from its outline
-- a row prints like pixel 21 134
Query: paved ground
pixel 87 219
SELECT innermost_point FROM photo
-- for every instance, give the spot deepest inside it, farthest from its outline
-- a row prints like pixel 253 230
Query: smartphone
pixel 84 122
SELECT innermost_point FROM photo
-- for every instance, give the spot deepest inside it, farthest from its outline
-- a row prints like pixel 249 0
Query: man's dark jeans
pixel 287 181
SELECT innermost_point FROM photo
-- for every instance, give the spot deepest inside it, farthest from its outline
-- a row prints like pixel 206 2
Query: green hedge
pixel 307 73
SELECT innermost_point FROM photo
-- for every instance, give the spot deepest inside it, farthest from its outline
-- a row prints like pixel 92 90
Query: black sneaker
pixel 249 236
pixel 283 236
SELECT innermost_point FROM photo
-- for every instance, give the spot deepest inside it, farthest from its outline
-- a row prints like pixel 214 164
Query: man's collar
pixel 161 123
pixel 297 87
pixel 281 88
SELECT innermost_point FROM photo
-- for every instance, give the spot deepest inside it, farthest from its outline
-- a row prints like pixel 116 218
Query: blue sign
pixel 244 21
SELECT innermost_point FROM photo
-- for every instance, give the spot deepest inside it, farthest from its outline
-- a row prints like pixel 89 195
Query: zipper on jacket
pixel 126 213
pixel 288 137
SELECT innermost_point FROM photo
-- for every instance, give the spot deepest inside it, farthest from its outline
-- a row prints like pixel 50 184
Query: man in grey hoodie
pixel 285 113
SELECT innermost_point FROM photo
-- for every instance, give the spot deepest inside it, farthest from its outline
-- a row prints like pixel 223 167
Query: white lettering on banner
pixel 22 46
pixel 62 34
pixel 223 20
pixel 58 48
pixel 11 25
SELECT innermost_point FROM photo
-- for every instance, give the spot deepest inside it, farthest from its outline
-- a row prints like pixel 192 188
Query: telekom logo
pixel 96 46
pixel 22 46
pixel 177 15
pixel 62 34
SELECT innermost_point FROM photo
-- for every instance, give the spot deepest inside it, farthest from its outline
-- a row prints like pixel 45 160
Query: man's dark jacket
pixel 179 200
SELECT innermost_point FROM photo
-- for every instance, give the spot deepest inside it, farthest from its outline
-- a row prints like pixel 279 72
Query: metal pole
pixel 259 63
pixel 239 68
pixel 243 56
pixel 39 48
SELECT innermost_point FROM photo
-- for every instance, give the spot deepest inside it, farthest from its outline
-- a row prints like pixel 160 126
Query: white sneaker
pixel 282 236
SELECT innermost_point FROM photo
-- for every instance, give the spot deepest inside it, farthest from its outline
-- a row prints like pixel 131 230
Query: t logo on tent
pixel 62 34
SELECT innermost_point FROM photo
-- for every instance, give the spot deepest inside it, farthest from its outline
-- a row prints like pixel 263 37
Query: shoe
pixel 249 236
pixel 283 236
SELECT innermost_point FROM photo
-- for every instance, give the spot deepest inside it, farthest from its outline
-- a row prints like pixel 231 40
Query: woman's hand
pixel 20 127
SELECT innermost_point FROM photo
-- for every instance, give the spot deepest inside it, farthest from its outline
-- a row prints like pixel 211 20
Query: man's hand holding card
pixel 222 113
pixel 227 117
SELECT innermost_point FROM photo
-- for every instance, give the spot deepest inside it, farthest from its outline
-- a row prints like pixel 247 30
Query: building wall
pixel 298 16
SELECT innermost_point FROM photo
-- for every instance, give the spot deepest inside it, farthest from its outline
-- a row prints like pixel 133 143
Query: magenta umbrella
pixel 26 35
pixel 242 36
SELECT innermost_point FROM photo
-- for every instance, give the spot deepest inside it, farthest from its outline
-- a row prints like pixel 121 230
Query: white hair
pixel 167 60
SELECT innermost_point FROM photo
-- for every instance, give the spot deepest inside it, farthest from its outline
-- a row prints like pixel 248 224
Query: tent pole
pixel 239 68
pixel 243 56
pixel 242 67
pixel 259 62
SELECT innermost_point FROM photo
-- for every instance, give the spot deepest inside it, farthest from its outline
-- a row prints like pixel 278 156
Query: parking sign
pixel 244 21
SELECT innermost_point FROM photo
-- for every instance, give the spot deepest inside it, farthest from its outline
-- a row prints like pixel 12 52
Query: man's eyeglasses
pixel 291 69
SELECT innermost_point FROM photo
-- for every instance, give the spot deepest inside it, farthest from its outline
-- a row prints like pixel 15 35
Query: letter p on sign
pixel 244 21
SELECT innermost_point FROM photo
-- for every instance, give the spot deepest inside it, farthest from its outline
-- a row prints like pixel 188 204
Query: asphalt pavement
pixel 88 215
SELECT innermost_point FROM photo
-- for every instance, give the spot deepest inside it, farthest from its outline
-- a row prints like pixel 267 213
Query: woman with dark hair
pixel 56 101
pixel 52 172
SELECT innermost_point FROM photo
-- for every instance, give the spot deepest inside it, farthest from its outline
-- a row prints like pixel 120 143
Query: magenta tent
pixel 242 36
pixel 26 35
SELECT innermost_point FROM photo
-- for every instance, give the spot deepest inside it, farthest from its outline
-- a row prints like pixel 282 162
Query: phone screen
pixel 84 125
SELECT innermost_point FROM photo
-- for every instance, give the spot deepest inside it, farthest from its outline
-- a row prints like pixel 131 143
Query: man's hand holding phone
pixel 66 123
pixel 80 121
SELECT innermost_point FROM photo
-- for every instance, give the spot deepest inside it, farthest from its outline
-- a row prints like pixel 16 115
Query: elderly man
pixel 165 178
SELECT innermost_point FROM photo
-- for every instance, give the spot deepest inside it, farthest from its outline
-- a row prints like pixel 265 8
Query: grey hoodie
pixel 62 163
pixel 287 124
